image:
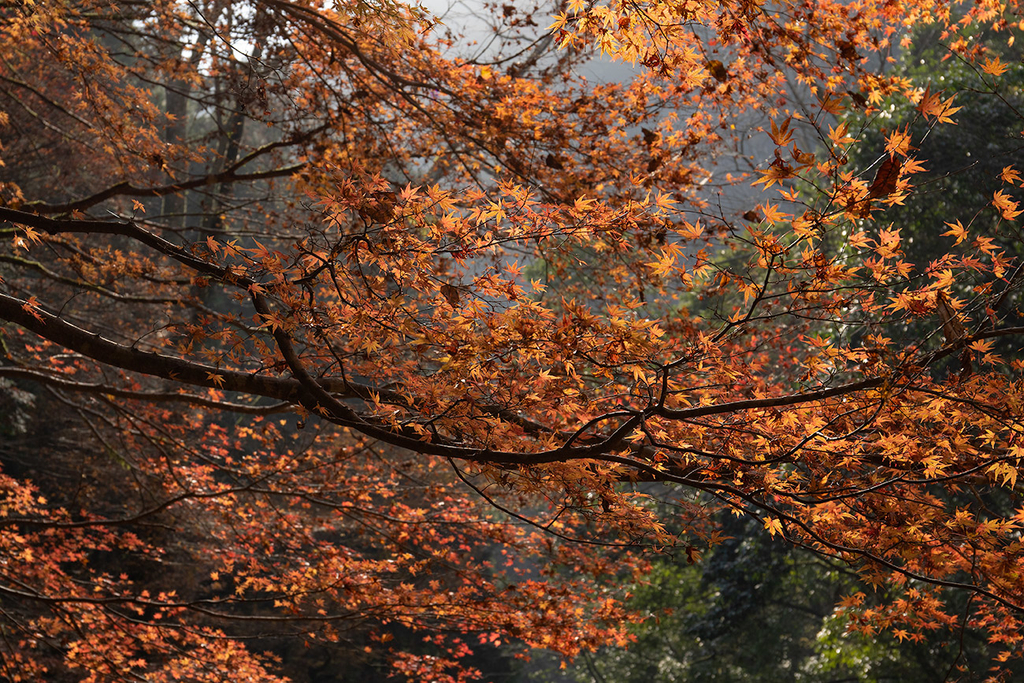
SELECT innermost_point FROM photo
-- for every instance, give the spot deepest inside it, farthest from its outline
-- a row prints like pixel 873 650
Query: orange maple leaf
pixel 1006 206
pixel 1009 175
pixel 994 67
pixel 956 230
pixel 898 142
pixel 933 106
pixel 781 135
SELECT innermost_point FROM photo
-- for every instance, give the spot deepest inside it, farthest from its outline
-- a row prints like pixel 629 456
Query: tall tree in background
pixel 219 213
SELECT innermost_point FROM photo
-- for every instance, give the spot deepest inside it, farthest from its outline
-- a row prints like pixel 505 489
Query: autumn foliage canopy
pixel 347 331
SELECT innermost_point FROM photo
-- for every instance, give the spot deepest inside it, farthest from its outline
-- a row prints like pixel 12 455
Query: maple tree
pixel 514 339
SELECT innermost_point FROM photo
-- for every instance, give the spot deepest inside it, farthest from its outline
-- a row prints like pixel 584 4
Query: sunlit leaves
pixel 934 107
pixel 1006 207
pixel 524 324
pixel 994 67
pixel 1010 175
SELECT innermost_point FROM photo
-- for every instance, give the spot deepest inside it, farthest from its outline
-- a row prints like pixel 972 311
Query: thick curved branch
pixel 148 396
pixel 774 402
pixel 126 189
pixel 94 346
pixel 324 396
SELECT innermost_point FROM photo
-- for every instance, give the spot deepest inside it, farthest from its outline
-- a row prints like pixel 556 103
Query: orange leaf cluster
pixel 365 342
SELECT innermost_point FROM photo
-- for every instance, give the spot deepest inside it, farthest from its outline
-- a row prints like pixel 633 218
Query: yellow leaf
pixel 1004 473
pixel 956 230
pixel 1006 206
pixel 982 345
pixel 772 213
pixel 773 525
pixel 898 142
pixel 1009 175
pixel 838 135
pixel 691 231
pixel 931 105
pixel 994 67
